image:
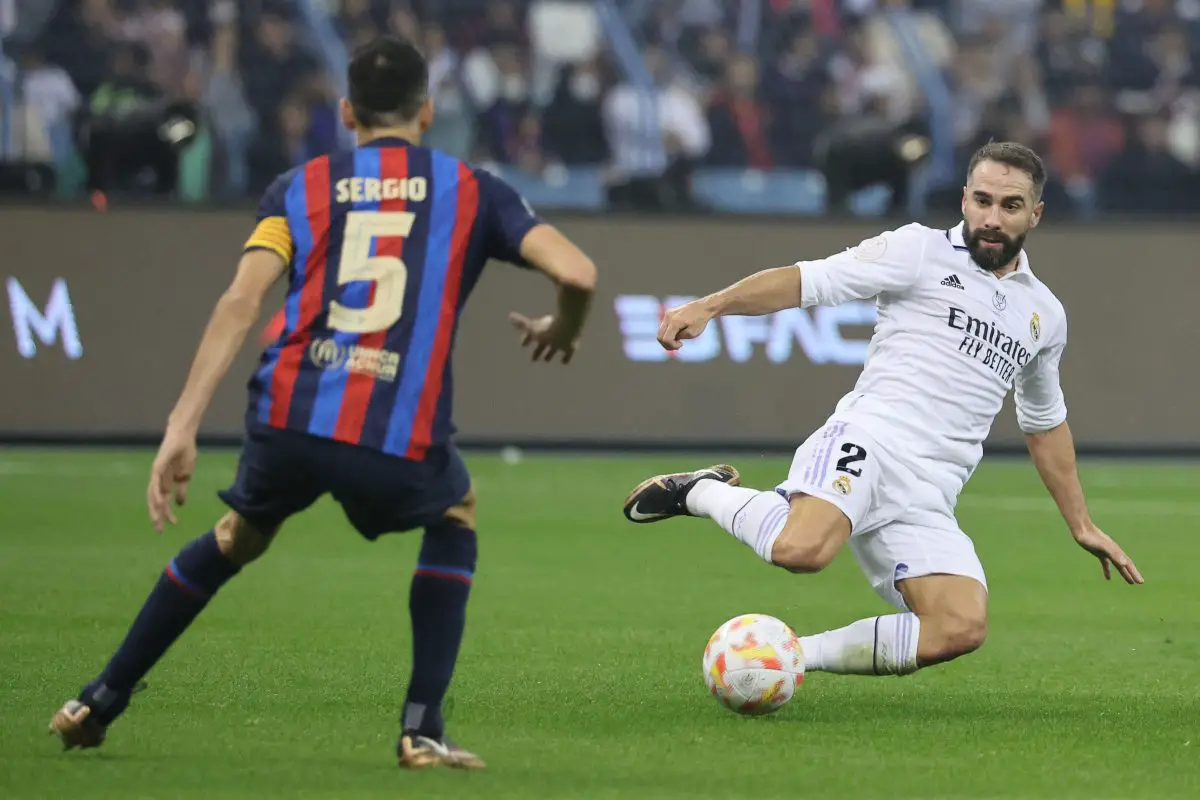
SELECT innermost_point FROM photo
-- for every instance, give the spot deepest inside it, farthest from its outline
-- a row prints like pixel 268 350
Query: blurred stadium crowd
pixel 788 106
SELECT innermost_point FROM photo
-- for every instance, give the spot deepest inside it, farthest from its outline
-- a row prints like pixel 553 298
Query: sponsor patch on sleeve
pixel 871 249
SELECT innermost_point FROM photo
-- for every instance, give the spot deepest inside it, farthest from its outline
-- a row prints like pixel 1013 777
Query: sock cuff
pixel 896 652
pixel 448 552
pixel 759 522
pixel 444 573
pixel 200 568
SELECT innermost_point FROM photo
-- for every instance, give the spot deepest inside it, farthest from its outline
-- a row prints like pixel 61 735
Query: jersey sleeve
pixel 506 216
pixel 1039 398
pixel 890 262
pixel 271 231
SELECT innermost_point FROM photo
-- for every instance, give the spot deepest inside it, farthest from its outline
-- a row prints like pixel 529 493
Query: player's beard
pixel 991 258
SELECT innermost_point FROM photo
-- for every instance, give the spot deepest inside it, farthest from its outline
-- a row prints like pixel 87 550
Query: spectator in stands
pixel 871 148
pixel 453 129
pixel 161 28
pixel 1084 137
pixel 573 125
pixel 26 153
pixel 1063 55
pixel 739 120
pixel 498 83
pixel 801 95
pixel 1145 178
pixel 353 16
pixel 273 66
pixel 51 92
pixel 657 135
pixel 224 101
pixel 711 55
pixel 502 94
pixel 121 137
pixel 82 40
pixel 886 48
pixel 273 157
pixel 272 63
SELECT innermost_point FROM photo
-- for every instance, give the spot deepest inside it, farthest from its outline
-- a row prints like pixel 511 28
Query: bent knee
pixel 804 550
pixel 239 541
pixel 811 537
pixel 464 513
pixel 957 634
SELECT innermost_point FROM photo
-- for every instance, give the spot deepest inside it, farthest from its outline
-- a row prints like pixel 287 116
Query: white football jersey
pixel 952 339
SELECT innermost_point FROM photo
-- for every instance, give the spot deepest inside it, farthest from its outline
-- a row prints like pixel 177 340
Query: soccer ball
pixel 753 664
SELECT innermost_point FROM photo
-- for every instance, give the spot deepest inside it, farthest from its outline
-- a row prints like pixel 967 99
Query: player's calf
pixel 953 613
pixel 802 534
pixel 184 588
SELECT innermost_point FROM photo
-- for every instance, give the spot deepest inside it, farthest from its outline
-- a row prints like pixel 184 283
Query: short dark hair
pixel 389 82
pixel 1014 154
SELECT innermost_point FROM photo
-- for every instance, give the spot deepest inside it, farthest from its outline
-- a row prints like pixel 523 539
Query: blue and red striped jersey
pixel 385 243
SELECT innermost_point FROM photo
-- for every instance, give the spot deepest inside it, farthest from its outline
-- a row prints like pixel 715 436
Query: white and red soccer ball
pixel 753 664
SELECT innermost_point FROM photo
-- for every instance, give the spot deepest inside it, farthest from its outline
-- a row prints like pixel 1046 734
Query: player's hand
pixel 547 335
pixel 1101 545
pixel 683 322
pixel 170 475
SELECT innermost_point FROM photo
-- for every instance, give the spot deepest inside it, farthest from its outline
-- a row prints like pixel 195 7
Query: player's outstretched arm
pixel 560 260
pixel 1053 453
pixel 235 313
pixel 890 262
pixel 764 292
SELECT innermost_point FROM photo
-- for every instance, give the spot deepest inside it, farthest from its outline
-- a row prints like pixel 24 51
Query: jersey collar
pixel 1022 272
pixel 388 141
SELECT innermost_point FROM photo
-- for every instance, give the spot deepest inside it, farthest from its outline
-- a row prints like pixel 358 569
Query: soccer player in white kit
pixel 962 319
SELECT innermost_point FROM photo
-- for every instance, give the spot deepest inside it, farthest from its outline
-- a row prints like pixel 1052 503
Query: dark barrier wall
pixel 106 309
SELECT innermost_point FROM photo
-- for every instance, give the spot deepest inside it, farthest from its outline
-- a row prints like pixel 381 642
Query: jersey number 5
pixel 357 264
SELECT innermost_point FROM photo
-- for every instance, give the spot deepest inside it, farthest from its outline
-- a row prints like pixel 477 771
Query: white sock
pixel 755 518
pixel 876 646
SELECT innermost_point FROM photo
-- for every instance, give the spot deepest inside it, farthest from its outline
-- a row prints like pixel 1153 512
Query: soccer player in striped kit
pixel 381 246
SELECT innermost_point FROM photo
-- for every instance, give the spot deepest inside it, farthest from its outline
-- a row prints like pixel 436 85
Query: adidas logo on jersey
pixel 953 281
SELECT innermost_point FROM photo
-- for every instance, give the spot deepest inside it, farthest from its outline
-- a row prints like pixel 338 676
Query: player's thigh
pixel 384 494
pixel 833 479
pixel 274 480
pixel 903 554
pixel 942 594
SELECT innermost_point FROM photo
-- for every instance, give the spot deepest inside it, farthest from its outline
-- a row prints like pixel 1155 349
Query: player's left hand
pixel 170 474
pixel 1102 546
pixel 548 336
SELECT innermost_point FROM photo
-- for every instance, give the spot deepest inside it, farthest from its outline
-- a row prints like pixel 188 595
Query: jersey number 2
pixel 357 264
pixel 854 454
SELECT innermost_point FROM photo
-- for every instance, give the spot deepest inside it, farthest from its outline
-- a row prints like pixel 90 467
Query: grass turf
pixel 580 675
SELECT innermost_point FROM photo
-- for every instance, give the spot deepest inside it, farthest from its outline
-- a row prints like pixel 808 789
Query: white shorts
pixel 901 526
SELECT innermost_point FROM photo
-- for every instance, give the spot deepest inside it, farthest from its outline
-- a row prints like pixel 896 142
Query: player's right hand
pixel 683 322
pixel 548 336
pixel 170 475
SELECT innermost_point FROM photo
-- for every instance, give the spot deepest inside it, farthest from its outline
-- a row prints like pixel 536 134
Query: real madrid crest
pixel 999 301
pixel 1035 326
pixel 841 484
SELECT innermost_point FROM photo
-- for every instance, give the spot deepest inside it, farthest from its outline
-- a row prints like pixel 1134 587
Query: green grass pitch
pixel 580 676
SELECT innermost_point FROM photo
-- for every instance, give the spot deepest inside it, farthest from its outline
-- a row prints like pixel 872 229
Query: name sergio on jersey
pixel 373 190
pixel 985 342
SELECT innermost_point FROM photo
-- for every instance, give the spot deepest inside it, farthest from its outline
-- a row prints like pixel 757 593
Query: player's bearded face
pixel 992 248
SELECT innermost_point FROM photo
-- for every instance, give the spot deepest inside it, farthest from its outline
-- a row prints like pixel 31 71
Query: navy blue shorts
pixel 281 473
